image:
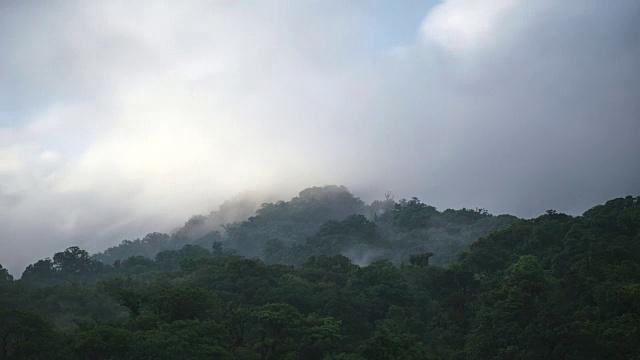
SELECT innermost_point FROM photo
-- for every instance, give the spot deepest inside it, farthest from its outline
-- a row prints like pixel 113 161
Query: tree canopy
pixel 552 287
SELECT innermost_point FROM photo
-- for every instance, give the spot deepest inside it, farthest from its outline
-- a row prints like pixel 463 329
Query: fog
pixel 120 118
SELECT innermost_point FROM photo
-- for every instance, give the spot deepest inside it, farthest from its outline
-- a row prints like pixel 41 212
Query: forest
pixel 325 276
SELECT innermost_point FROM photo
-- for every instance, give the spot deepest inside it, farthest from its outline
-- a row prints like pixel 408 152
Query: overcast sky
pixel 119 118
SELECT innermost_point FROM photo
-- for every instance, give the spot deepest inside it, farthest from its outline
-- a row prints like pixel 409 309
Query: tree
pixel 103 342
pixel 183 339
pixel 74 261
pixel 26 335
pixel 127 292
pixel 42 269
pixel 321 334
pixel 184 303
pixel 412 214
pixel 420 259
pixel 388 345
pixel 216 248
pixel 4 275
pixel 280 323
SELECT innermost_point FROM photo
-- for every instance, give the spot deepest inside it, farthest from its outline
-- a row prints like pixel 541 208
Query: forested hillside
pixel 325 276
pixel 327 220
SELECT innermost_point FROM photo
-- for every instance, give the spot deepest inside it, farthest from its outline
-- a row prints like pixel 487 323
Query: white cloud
pixel 150 112
pixel 10 161
pixel 466 26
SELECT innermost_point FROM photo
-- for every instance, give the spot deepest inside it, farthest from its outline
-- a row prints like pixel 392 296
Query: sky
pixel 120 118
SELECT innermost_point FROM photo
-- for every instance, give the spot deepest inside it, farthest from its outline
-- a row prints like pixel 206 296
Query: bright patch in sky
pixel 467 25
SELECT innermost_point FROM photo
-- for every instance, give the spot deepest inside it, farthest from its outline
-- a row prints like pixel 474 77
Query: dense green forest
pixel 326 276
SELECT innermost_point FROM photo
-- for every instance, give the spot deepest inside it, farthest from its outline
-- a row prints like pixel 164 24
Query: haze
pixel 120 118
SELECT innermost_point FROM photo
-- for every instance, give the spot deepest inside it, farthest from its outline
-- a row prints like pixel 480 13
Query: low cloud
pixel 121 119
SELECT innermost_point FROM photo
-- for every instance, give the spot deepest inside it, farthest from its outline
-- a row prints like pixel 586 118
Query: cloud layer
pixel 120 119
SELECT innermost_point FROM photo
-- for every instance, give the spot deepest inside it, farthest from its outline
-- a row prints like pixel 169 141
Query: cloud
pixel 467 25
pixel 127 118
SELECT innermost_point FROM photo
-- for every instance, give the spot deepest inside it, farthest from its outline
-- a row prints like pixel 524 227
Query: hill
pixel 553 287
pixel 325 220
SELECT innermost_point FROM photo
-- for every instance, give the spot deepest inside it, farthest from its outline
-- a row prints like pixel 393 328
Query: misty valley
pixel 326 276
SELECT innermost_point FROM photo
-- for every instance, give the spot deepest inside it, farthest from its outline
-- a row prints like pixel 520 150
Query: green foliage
pixel 388 345
pixel 293 221
pixel 398 230
pixel 148 247
pixel 184 304
pixel 75 261
pixel 420 259
pixel 553 287
pixel 325 220
pixel 42 269
pixel 103 342
pixel 26 335
pixel 186 339
pixel 412 214
pixel 559 287
pixel 4 275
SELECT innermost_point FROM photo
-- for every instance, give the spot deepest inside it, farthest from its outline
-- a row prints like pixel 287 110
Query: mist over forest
pixel 321 180
pixel 328 221
pixel 327 276
pixel 117 120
